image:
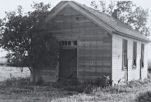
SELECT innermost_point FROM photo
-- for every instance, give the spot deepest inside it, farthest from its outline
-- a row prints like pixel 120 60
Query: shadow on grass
pixel 23 88
pixel 144 97
pixel 83 87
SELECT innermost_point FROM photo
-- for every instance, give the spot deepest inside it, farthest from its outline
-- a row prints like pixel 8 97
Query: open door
pixel 68 64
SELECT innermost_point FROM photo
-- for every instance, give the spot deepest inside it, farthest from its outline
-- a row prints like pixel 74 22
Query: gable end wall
pixel 93 43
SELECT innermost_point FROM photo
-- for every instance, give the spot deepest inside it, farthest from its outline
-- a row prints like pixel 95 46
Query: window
pixel 142 55
pixel 134 54
pixel 68 43
pixel 75 42
pixel 124 55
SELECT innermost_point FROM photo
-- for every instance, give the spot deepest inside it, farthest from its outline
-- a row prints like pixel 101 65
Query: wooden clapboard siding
pixel 88 75
pixel 133 74
pixel 94 57
pixel 94 43
pixel 73 26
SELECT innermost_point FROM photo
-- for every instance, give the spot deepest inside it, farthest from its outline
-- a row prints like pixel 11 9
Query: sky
pixel 11 5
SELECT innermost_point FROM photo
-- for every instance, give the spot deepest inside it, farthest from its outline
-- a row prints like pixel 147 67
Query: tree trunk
pixel 32 79
pixel 35 76
pixel 32 75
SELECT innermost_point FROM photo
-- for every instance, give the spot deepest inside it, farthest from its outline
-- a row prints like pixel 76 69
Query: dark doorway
pixel 68 64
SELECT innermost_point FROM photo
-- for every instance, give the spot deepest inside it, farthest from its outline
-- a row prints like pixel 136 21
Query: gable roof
pixel 112 25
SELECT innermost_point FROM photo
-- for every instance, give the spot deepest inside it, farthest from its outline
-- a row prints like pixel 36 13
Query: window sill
pixel 133 67
pixel 124 68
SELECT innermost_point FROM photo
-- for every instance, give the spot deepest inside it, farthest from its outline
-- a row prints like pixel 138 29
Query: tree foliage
pixel 127 12
pixel 23 36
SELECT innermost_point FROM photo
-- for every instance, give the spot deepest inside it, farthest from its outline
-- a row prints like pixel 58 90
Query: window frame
pixel 124 54
pixel 142 55
pixel 67 43
pixel 134 61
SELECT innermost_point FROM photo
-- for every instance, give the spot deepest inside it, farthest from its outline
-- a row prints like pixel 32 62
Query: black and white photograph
pixel 75 51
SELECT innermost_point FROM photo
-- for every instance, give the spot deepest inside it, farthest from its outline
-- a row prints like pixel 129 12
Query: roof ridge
pixel 102 19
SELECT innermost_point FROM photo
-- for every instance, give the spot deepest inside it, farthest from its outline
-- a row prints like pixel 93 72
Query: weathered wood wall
pixel 133 73
pixel 94 57
pixel 94 45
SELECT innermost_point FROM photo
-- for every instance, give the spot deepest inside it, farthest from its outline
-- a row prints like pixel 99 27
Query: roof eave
pixel 146 40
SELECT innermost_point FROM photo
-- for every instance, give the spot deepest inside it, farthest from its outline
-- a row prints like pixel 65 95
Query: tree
pixel 23 35
pixel 127 12
pixel 0 22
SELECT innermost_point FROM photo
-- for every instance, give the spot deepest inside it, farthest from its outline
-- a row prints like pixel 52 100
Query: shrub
pixel 103 81
pixel 86 86
pixel 144 97
pixel 138 83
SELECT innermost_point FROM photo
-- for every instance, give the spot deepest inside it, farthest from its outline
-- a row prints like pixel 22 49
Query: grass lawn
pixel 20 90
pixel 135 91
